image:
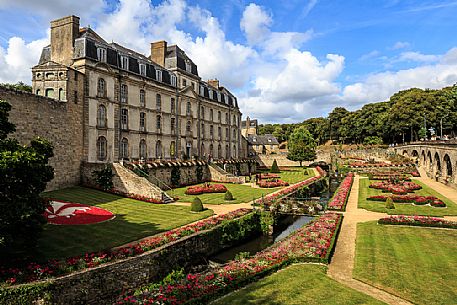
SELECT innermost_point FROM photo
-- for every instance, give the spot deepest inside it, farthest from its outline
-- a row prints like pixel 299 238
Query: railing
pixel 162 185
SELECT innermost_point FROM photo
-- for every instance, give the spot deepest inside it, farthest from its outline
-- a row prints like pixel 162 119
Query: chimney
pixel 64 31
pixel 214 83
pixel 158 52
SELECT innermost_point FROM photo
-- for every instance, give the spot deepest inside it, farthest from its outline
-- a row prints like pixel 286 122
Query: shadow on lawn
pixel 61 241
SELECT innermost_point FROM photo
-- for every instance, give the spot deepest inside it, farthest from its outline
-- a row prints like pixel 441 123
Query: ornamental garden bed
pixel 414 199
pixel 421 221
pixel 340 198
pixel 25 272
pixel 272 182
pixel 396 187
pixel 206 188
pixel 312 243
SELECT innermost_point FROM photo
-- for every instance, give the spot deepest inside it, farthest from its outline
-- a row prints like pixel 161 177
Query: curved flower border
pixel 340 198
pixel 421 221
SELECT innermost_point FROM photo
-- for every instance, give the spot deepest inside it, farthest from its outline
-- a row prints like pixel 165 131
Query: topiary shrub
pixel 274 167
pixel 228 196
pixel 390 204
pixel 197 205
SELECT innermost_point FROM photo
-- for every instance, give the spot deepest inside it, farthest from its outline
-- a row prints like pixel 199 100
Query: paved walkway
pixel 342 263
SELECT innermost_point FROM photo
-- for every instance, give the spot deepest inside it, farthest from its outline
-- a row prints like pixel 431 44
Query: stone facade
pixel 59 122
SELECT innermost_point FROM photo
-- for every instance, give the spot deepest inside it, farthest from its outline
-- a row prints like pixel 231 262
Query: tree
pixel 302 146
pixel 25 172
pixel 335 122
pixel 18 86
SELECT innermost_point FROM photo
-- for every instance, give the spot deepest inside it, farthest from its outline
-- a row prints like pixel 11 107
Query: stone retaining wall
pixel 102 285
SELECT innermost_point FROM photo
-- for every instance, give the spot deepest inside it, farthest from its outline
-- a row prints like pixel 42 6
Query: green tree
pixel 18 86
pixel 335 122
pixel 422 133
pixel 301 145
pixel 25 172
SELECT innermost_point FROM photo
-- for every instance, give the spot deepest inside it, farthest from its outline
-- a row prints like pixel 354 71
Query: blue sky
pixel 285 60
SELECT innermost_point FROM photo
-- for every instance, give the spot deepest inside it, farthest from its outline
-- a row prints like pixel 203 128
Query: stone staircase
pixel 220 175
pixel 127 181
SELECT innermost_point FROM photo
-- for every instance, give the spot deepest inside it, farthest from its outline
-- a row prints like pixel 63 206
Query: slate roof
pixel 267 139
pixel 254 123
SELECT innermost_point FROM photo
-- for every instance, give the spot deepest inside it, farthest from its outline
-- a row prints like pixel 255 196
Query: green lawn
pixel 242 193
pixel 403 208
pixel 417 264
pixel 134 220
pixel 298 284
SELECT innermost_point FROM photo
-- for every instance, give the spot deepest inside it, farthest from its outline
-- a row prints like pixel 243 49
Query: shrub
pixel 390 204
pixel 228 196
pixel 274 167
pixel 197 205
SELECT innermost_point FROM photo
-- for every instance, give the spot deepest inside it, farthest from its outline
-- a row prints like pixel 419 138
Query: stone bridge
pixel 438 158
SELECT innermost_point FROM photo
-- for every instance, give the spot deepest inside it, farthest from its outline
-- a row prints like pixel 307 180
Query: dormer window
pixel 173 80
pixel 188 67
pixel 101 54
pixel 210 93
pixel 159 75
pixel 202 90
pixel 143 69
pixel 218 96
pixel 124 62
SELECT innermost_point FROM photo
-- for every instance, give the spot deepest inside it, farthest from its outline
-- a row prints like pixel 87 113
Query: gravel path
pixel 342 263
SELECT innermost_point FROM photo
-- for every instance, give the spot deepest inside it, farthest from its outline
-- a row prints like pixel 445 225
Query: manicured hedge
pixel 421 221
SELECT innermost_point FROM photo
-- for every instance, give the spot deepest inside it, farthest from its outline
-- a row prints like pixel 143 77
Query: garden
pixel 417 264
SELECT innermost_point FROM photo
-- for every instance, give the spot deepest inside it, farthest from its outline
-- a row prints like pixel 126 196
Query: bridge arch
pixel 437 161
pixel 429 160
pixel 414 153
pixel 423 157
pixel 405 153
pixel 447 165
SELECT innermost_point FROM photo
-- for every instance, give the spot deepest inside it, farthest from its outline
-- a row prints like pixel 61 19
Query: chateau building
pixel 136 106
pixel 257 144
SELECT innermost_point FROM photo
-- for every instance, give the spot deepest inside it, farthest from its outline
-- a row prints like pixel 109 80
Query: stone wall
pixel 58 122
pixel 103 284
pixel 281 159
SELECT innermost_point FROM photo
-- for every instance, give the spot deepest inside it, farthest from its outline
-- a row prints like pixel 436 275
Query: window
pixel 49 92
pixel 188 108
pixel 219 116
pixel 203 131
pixel 227 152
pixel 219 151
pixel 211 150
pixel 188 67
pixel 143 69
pixel 101 87
pixel 49 75
pixel 172 105
pixel 158 149
pixel 234 151
pixel 189 126
pixel 143 149
pixel 193 86
pixel 124 62
pixel 202 114
pixel 124 119
pixel 124 93
pixel 159 75
pixel 234 120
pixel 234 134
pixel 61 95
pixel 101 148
pixel 158 102
pixel 218 96
pixel 226 118
pixel 172 149
pixel 124 148
pixel 211 131
pixel 142 121
pixel 210 93
pixel 173 125
pixel 38 91
pixel 159 123
pixel 173 80
pixel 76 96
pixel 142 98
pixel 211 115
pixel 101 54
pixel 219 133
pixel 184 82
pixel 226 134
pixel 202 90
pixel 101 116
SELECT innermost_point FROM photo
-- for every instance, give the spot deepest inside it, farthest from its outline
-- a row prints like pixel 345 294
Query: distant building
pixel 249 127
pixel 262 144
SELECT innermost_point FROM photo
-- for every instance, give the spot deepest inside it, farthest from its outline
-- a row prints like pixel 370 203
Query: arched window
pixel 189 126
pixel 101 148
pixel 49 92
pixel 159 149
pixel 124 148
pixel 159 122
pixel 142 98
pixel 188 108
pixel 172 149
pixel 101 87
pixel 101 116
pixel 38 91
pixel 61 95
pixel 234 134
pixel 211 150
pixel 143 149
pixel 158 102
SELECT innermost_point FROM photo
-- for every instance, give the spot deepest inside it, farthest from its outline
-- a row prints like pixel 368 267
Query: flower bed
pixel 312 243
pixel 32 271
pixel 422 221
pixel 206 188
pixel 268 175
pixel 272 183
pixel 60 212
pixel 340 198
pixel 397 188
pixel 415 199
pixel 270 198
pixel 379 164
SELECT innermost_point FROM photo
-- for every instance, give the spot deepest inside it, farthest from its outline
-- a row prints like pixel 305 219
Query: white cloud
pixel 255 23
pixel 417 57
pixel 400 45
pixel 370 55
